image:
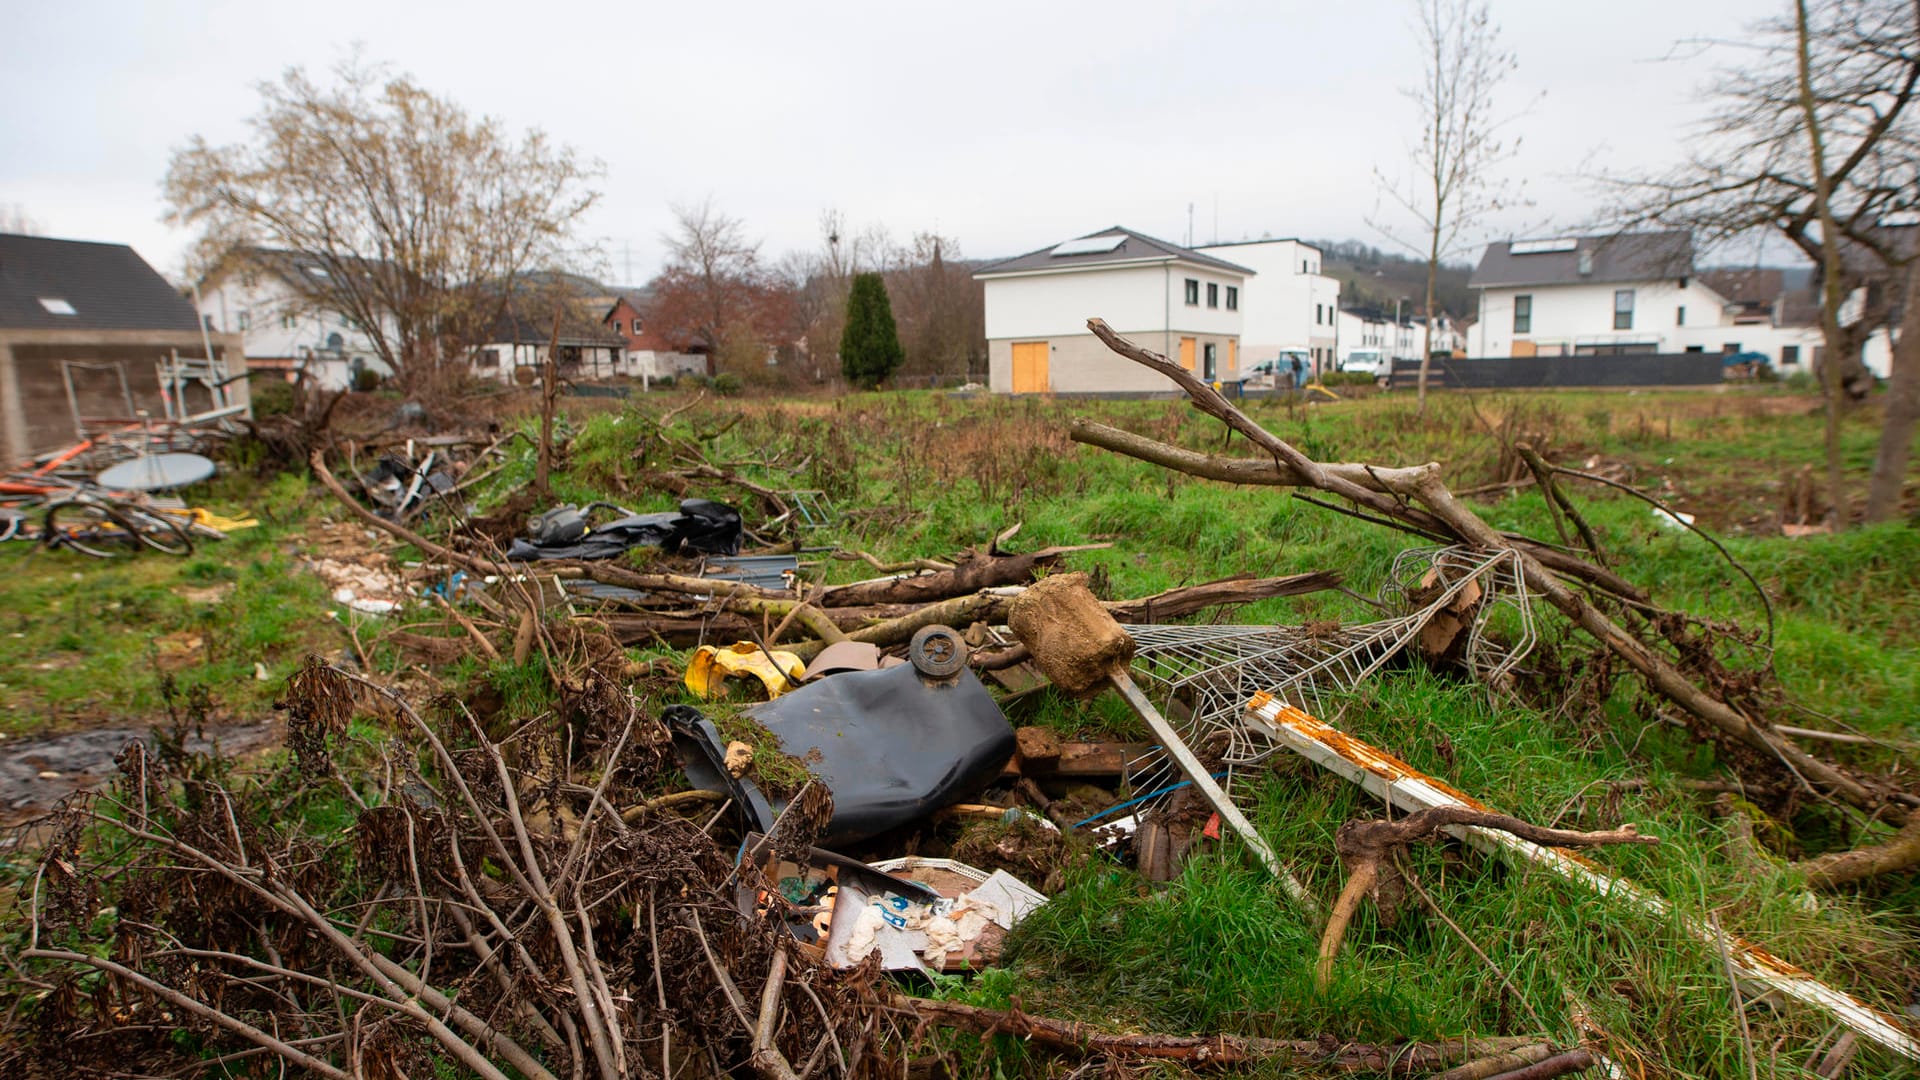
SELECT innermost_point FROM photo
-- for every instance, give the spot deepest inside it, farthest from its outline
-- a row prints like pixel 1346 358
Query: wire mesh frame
pixel 1202 676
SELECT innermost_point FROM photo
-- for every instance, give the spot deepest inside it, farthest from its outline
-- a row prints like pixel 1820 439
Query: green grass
pixel 1220 949
pixel 92 637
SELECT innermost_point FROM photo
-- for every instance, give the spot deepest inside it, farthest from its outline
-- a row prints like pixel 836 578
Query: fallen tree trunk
pixel 972 572
pixel 991 607
pixel 1069 1036
pixel 1389 492
pixel 1245 589
pixel 1846 867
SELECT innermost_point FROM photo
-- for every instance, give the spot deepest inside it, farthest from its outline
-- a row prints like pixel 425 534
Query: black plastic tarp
pixel 700 526
pixel 891 745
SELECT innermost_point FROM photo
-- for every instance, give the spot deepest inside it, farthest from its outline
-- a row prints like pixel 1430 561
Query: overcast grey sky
pixel 1005 125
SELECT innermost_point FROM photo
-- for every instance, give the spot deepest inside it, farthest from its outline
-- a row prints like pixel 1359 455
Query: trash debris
pixel 700 526
pixel 1079 646
pixel 844 656
pixel 766 571
pixel 918 914
pixel 891 745
pixel 1668 519
pixel 711 666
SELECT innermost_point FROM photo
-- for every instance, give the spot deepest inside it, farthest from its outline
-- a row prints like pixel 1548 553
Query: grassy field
pixel 1220 949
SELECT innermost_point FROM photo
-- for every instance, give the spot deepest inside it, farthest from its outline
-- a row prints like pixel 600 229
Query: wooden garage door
pixel 1186 353
pixel 1029 367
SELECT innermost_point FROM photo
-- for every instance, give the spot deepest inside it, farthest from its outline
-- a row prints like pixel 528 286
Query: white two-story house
pixel 1289 304
pixel 1179 302
pixel 1591 296
pixel 267 296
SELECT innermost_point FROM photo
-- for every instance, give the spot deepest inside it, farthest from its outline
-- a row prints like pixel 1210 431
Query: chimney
pixel 1586 263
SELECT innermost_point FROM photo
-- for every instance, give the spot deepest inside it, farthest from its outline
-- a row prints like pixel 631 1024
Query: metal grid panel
pixel 1202 676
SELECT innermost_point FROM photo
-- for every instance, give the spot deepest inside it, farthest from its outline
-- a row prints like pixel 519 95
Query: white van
pixel 1372 361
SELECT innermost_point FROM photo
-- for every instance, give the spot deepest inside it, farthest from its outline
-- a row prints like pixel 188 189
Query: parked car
pixel 1372 361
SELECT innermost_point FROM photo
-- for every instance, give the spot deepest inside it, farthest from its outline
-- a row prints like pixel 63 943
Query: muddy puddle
pixel 35 773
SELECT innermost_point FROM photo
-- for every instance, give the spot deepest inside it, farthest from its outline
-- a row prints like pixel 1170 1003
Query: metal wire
pixel 1201 677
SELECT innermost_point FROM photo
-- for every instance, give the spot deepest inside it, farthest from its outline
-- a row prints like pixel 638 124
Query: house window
pixel 1680 315
pixel 286 321
pixel 1233 298
pixel 346 321
pixel 489 358
pixel 1193 291
pixel 1729 348
pixel 1213 294
pixel 1696 348
pixel 246 320
pixel 1523 314
pixel 1789 354
pixel 1623 309
pixel 1207 359
pixel 1303 266
pixel 1318 313
pixel 57 306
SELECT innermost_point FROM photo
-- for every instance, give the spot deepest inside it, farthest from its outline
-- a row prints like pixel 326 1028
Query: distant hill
pixel 1372 278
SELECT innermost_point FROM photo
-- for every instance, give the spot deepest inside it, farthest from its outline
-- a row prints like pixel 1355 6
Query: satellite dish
pixel 156 472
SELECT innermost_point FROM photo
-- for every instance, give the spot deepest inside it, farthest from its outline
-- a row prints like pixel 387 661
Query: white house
pixel 1597 296
pixel 1174 300
pixel 584 348
pixel 266 296
pixel 1290 304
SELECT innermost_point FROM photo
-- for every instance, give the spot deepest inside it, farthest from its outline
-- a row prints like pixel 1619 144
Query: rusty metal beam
pixel 1410 790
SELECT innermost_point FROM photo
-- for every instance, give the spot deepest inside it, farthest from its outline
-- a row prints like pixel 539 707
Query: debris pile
pixel 739 854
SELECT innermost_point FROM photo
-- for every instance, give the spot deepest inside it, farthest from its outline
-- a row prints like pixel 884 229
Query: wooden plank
pixel 1090 759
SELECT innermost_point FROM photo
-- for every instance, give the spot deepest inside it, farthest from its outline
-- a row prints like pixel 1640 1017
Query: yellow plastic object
pixel 711 666
pixel 203 516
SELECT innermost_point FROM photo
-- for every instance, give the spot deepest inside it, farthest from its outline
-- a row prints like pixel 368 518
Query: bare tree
pixel 1454 188
pixel 940 308
pixel 717 293
pixel 421 218
pixel 1815 139
pixel 1830 292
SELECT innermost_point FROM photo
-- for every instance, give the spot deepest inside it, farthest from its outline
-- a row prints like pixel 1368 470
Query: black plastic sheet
pixel 891 745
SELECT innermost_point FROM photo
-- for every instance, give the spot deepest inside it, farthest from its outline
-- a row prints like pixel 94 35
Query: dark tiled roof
pixel 1627 257
pixel 108 286
pixel 1135 248
pixel 575 329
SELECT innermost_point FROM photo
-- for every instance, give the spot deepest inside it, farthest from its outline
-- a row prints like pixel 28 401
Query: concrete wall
pixel 1082 364
pixel 1028 307
pixel 35 415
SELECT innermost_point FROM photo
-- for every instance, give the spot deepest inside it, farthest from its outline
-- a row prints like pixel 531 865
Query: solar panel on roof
pixel 1091 245
pixel 1542 247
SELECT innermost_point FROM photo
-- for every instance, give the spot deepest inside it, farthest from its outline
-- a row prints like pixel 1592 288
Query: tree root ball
pixel 1072 638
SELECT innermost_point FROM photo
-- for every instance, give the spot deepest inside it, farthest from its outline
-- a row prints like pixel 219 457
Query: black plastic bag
pixel 700 526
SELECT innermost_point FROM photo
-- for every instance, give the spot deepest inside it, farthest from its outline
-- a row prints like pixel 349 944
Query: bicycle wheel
pixel 89 528
pixel 160 531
